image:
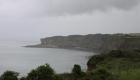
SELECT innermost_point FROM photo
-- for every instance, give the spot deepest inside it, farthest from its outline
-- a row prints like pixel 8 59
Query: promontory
pixel 103 43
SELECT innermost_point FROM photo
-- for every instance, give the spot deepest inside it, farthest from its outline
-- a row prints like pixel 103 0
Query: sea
pixel 15 57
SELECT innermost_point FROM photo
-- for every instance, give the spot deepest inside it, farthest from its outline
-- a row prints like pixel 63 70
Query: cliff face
pixel 131 43
pixel 60 41
pixel 100 42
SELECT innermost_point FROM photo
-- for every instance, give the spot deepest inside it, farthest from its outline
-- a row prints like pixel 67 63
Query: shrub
pixel 77 69
pixel 10 75
pixel 44 72
pixel 100 74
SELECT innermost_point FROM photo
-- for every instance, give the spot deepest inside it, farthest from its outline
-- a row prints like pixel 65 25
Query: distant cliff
pixel 91 42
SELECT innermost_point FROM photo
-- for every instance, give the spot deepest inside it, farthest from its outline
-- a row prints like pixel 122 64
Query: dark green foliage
pixel 77 69
pixel 10 75
pixel 77 74
pixel 98 74
pixel 117 59
pixel 116 54
pixel 94 60
pixel 23 78
pixel 32 75
pixel 44 72
pixel 124 54
pixel 101 74
pixel 64 76
pixel 120 63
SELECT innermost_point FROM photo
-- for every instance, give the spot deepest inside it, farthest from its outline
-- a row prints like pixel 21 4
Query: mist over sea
pixel 20 59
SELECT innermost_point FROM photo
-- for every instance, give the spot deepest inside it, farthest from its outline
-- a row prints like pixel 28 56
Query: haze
pixel 44 18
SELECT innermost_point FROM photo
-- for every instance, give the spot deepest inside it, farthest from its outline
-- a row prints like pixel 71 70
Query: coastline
pixel 70 48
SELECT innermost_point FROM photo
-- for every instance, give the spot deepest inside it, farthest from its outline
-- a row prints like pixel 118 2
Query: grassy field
pixel 131 74
pixel 124 65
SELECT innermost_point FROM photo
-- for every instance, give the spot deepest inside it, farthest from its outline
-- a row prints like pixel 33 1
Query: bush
pixel 99 74
pixel 10 75
pixel 44 72
pixel 96 59
pixel 77 69
pixel 77 73
pixel 23 78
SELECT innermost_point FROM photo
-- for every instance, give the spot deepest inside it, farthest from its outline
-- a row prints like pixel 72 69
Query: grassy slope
pixel 131 74
pixel 125 64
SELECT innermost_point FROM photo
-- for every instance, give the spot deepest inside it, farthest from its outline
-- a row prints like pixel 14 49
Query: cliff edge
pixel 99 42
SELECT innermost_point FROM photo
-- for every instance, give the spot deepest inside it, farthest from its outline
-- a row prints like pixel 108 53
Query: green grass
pixel 123 65
pixel 132 74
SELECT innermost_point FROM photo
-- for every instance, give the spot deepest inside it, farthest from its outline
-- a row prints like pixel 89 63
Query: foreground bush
pixel 77 70
pixel 44 72
pixel 99 74
pixel 10 75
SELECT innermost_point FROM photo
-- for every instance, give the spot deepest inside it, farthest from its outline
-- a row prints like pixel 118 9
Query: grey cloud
pixel 37 8
pixel 31 18
pixel 64 7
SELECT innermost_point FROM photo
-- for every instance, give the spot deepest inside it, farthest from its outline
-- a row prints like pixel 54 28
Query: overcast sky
pixel 44 18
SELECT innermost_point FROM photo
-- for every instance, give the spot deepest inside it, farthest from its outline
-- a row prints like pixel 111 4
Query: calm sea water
pixel 20 59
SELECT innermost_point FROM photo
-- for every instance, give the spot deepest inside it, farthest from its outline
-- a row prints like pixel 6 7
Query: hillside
pixel 125 64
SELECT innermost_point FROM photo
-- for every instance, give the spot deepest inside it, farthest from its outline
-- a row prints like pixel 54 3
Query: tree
pixel 10 75
pixel 44 72
pixel 32 75
pixel 95 59
pixel 76 71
